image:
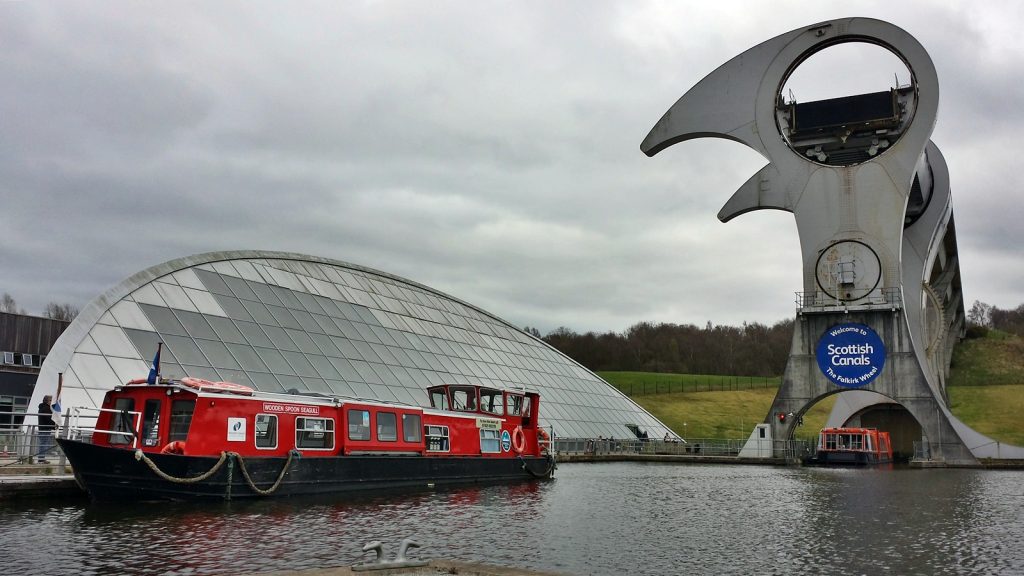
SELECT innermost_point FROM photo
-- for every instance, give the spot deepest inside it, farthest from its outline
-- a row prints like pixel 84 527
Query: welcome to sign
pixel 851 355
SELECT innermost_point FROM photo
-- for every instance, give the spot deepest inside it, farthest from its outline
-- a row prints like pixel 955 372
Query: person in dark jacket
pixel 45 428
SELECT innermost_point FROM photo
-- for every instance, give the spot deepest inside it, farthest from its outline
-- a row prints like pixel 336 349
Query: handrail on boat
pixel 75 416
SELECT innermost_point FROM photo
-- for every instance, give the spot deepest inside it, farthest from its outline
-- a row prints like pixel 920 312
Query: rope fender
pixel 547 473
pixel 224 456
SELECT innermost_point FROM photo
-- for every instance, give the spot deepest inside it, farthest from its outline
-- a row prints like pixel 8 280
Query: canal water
pixel 608 518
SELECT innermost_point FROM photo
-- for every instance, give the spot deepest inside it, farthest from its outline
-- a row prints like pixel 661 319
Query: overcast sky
pixel 487 149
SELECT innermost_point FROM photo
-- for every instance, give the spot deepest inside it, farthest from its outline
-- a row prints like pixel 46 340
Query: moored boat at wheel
pixel 194 438
pixel 851 447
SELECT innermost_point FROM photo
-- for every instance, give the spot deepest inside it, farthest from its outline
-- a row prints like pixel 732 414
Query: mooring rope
pixel 224 456
pixel 140 455
pixel 546 474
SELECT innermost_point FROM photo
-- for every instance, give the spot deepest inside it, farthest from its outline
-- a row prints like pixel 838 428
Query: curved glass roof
pixel 278 321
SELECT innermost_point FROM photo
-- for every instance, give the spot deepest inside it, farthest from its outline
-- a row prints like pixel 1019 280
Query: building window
pixel 358 424
pixel 8 357
pixel 266 431
pixel 314 433
pixel 437 438
pixel 490 441
pixel 26 360
pixel 181 418
pixel 411 431
pixel 387 426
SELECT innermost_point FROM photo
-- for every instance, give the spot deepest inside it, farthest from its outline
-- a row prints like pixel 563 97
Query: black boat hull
pixel 116 474
pixel 844 459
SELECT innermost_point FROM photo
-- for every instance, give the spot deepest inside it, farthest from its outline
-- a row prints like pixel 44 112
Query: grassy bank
pixel 986 392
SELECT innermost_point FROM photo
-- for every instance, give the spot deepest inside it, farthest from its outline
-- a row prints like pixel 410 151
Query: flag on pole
pixel 60 385
pixel 154 370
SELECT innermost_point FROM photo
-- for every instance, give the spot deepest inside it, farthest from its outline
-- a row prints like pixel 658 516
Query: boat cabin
pixel 853 446
pixel 199 417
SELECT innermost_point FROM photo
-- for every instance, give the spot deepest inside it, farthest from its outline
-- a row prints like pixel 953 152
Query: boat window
pixel 181 418
pixel 856 442
pixel 387 426
pixel 123 421
pixel 358 424
pixel 439 399
pixel 515 405
pixel 830 441
pixel 526 407
pixel 491 401
pixel 266 431
pixel 464 399
pixel 437 438
pixel 490 441
pixel 314 433
pixel 151 423
pixel 411 431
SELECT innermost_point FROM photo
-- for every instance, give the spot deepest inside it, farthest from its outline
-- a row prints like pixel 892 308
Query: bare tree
pixel 64 312
pixel 7 304
pixel 980 315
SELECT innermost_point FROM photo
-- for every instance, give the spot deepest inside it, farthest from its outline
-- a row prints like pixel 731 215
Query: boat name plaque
pixel 277 408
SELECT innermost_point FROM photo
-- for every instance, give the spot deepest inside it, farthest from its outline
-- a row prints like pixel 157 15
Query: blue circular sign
pixel 851 355
pixel 506 440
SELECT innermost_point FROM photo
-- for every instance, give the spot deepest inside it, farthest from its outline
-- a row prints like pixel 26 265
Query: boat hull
pixel 843 459
pixel 116 474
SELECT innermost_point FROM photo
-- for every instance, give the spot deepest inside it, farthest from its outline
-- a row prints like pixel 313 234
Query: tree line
pixel 983 317
pixel 753 349
pixel 53 310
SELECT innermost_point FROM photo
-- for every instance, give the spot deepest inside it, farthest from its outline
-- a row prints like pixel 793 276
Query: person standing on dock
pixel 45 428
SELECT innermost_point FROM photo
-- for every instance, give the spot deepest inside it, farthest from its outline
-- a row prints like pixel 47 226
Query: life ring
pixel 543 439
pixel 176 447
pixel 229 387
pixel 518 440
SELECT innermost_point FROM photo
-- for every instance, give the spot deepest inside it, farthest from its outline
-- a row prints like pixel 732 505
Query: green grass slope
pixel 986 392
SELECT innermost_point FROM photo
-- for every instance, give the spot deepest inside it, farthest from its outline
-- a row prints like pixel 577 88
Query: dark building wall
pixel 21 335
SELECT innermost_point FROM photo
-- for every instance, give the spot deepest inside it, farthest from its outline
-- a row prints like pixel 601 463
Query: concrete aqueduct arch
pixel 881 307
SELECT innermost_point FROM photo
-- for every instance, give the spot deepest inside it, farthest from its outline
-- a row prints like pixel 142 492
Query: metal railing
pixel 22 443
pixel 790 449
pixel 819 301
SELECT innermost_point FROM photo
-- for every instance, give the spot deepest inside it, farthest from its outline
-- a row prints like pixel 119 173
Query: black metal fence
pixel 676 384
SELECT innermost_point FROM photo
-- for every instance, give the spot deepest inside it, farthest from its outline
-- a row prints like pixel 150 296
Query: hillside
pixel 986 391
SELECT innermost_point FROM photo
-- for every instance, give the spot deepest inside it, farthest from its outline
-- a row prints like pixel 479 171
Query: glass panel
pixel 236 376
pixel 463 398
pixel 226 329
pixel 265 293
pixel 326 345
pixel 314 433
pixel 217 353
pixel 358 424
pixel 233 307
pixel 240 287
pixel 324 367
pixel 308 303
pixel 280 338
pixel 247 357
pixel 292 384
pixel 204 372
pixel 305 319
pixel 299 363
pixel 340 388
pixel 259 312
pixel 347 349
pixel 266 431
pixel 326 325
pixel 266 382
pixel 185 350
pixel 366 352
pixel 303 341
pixel 212 281
pixel 254 334
pixel 181 418
pixel 315 385
pixel 412 429
pixel 163 320
pixel 273 359
pixel 123 422
pixel 345 368
pixel 283 317
pixel 287 297
pixel 151 423
pixel 387 426
pixel 196 325
pixel 490 442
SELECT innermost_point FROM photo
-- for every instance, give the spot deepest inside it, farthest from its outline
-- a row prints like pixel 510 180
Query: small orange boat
pixel 851 447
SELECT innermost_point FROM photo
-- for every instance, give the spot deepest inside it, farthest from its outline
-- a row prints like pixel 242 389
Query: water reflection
pixel 592 519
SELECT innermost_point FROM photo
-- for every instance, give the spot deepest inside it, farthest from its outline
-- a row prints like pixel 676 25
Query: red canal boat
pixel 852 447
pixel 193 438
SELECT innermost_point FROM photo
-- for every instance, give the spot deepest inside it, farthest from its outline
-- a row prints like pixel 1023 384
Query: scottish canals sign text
pixel 851 355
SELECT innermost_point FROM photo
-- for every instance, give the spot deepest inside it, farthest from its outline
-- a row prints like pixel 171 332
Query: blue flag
pixel 154 370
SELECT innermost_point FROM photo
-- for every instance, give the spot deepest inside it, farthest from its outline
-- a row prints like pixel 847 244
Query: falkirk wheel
pixel 881 307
